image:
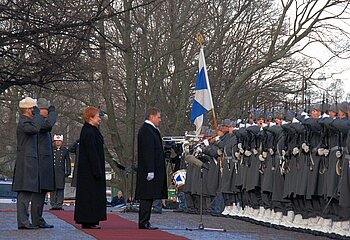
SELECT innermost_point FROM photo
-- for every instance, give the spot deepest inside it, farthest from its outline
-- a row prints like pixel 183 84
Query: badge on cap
pixel 58 137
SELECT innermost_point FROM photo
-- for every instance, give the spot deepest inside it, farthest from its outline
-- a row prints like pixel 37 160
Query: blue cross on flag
pixel 203 101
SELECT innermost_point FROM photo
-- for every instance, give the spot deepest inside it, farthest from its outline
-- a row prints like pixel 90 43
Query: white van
pixel 6 193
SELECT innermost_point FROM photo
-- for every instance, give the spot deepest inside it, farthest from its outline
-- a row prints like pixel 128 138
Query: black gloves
pixel 51 109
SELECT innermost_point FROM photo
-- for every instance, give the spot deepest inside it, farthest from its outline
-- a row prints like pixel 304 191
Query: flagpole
pixel 200 41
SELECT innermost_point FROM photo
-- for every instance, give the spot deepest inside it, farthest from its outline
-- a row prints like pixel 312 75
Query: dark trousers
pixel 37 207
pixel 145 211
pixel 266 198
pixel 23 199
pixel 56 198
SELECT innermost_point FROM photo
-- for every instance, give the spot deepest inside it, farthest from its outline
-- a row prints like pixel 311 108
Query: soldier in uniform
pixel 26 172
pixel 46 170
pixel 342 169
pixel 272 136
pixel 74 148
pixel 62 164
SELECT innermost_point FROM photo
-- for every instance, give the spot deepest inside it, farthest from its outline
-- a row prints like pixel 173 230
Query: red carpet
pixel 117 228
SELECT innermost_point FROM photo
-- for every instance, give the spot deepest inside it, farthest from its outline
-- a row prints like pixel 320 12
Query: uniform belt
pixel 228 158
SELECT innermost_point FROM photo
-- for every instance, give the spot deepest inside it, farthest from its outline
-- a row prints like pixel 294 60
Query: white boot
pixel 338 228
pixel 272 215
pixel 287 221
pixel 267 215
pixel 326 226
pixel 247 211
pixel 345 225
pixel 297 222
pixel 312 223
pixel 255 214
pixel 234 210
pixel 226 211
pixel 319 225
pixel 278 218
pixel 261 214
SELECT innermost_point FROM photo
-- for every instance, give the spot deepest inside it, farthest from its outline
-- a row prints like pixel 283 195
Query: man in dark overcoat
pixel 62 169
pixel 151 182
pixel 26 172
pixel 46 170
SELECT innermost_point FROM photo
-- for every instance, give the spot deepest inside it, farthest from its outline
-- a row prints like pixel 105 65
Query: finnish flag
pixel 203 101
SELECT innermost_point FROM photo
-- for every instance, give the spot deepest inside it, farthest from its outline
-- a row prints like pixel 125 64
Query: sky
pixel 337 68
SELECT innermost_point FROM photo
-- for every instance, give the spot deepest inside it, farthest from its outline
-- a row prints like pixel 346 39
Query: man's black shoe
pixel 45 226
pixel 29 227
pixel 91 226
pixel 147 226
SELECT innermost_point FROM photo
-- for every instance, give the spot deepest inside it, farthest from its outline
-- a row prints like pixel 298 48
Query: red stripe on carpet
pixel 117 227
pixel 8 210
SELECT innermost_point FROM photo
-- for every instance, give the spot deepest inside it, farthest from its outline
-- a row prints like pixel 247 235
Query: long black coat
pixel 150 159
pixel 26 173
pixel 90 201
pixel 62 166
pixel 46 169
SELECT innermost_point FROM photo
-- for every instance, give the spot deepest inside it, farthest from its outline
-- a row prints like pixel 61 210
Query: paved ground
pixel 173 222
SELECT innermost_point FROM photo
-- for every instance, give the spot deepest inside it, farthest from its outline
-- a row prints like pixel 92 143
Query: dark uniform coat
pixel 90 202
pixel 62 166
pixel 26 173
pixel 150 159
pixel 46 168
pixel 75 149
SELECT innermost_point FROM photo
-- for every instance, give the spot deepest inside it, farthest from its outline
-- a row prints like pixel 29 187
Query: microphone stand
pixel 201 225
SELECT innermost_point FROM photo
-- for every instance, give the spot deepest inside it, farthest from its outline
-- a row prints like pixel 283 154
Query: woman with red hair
pixel 90 201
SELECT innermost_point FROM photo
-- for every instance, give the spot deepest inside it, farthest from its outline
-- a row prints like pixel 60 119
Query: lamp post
pixel 139 32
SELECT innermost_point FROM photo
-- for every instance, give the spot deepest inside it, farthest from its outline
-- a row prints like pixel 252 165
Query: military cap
pixel 278 114
pixel 317 107
pixel 58 137
pixel 344 106
pixel 226 122
pixel 289 116
pixel 269 115
pixel 27 102
pixel 333 107
pixel 259 114
pixel 43 103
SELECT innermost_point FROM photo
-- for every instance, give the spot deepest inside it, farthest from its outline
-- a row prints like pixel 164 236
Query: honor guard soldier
pixel 62 164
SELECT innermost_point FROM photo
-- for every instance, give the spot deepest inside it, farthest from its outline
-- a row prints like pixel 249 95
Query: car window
pixel 6 191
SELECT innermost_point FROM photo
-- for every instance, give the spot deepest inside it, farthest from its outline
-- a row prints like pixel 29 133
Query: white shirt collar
pixel 150 123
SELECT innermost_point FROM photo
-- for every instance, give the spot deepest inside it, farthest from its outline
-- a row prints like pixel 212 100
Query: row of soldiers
pixel 293 170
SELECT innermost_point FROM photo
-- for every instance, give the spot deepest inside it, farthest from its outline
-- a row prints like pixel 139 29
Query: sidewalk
pixel 62 230
pixel 172 222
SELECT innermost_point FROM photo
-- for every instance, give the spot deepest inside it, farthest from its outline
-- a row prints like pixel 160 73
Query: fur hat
pixel 343 107
pixel 317 107
pixel 27 102
pixel 43 103
pixel 227 123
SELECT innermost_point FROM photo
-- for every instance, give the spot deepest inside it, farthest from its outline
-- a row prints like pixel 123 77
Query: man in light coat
pixel 26 173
